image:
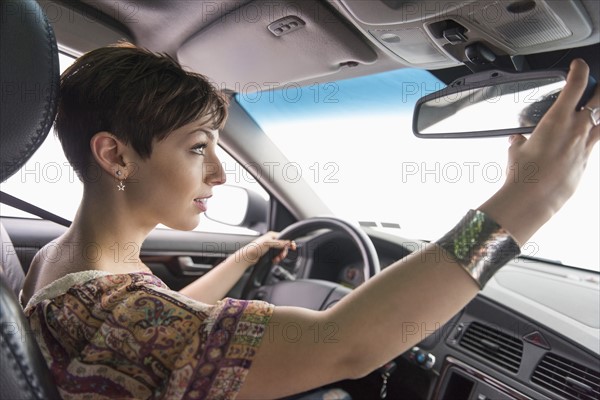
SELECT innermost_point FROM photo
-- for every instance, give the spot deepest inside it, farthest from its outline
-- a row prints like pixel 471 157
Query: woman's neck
pixel 108 234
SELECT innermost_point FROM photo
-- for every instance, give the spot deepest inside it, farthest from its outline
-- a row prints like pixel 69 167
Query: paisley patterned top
pixel 128 336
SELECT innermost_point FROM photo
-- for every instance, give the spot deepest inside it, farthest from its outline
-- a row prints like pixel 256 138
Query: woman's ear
pixel 108 152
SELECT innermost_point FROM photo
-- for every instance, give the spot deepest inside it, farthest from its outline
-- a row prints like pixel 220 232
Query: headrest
pixel 29 74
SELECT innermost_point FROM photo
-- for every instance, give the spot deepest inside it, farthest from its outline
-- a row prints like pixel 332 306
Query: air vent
pixel 498 347
pixel 567 379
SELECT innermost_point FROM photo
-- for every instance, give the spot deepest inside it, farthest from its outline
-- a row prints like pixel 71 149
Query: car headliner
pixel 228 40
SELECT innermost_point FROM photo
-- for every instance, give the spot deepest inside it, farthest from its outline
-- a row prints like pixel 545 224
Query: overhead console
pixel 436 34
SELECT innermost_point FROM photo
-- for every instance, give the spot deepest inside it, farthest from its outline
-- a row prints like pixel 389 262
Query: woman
pixel 141 134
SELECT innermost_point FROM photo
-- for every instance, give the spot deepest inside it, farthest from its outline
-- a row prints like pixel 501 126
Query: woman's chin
pixel 187 225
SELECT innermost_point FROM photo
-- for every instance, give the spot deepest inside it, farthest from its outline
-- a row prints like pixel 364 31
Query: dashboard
pixel 532 333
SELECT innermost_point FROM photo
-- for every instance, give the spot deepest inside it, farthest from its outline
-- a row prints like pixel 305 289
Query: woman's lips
pixel 201 203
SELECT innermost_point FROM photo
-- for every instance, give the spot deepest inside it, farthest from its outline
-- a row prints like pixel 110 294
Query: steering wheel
pixel 309 293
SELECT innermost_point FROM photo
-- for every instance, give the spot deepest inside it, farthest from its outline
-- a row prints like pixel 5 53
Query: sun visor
pixel 264 45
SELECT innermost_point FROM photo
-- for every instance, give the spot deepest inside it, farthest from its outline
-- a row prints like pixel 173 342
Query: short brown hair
pixel 133 93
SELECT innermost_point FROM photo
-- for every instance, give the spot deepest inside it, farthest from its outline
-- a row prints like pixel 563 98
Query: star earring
pixel 121 185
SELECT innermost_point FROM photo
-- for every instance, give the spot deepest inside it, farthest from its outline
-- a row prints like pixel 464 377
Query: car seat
pixel 30 77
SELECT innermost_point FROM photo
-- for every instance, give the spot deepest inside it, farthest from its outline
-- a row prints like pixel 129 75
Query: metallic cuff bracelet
pixel 480 246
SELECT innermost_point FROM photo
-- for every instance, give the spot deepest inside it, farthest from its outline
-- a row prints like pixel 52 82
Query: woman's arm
pixel 215 284
pixel 399 307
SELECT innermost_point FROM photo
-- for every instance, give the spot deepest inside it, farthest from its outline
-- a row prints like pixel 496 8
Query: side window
pixel 48 181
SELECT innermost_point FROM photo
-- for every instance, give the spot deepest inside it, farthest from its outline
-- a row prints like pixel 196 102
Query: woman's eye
pixel 199 149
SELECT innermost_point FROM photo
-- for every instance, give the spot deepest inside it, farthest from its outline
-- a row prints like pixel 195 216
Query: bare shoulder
pixel 29 284
pixel 48 265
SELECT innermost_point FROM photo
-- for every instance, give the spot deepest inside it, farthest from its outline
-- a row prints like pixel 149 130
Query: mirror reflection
pixel 508 107
pixel 228 205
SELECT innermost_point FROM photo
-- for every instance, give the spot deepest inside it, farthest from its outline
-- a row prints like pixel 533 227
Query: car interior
pixel 533 332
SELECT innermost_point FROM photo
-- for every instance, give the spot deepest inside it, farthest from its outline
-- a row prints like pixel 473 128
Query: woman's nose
pixel 214 174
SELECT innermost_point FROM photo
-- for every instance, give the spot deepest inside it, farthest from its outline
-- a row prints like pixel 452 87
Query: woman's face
pixel 172 186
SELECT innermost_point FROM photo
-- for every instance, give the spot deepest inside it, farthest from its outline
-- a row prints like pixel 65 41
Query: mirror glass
pixel 228 205
pixel 486 110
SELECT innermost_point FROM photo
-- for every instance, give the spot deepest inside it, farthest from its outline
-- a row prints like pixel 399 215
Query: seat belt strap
pixel 22 205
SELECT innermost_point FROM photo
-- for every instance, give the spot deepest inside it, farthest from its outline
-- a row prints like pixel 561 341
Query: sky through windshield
pixel 353 143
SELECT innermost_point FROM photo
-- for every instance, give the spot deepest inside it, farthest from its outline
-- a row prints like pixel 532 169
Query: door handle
pixel 188 267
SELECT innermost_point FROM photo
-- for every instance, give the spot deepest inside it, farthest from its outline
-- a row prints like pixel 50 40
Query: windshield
pixel 351 140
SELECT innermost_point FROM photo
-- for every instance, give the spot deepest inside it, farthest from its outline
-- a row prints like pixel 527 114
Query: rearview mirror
pixel 490 103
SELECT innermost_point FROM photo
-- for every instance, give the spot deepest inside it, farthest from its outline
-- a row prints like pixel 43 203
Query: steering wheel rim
pixel 303 227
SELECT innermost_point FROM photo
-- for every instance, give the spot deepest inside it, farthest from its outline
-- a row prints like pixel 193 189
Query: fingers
pixel 516 140
pixel 593 104
pixel 577 80
pixel 269 241
pixel 593 138
pixel 563 120
pixel 280 244
pixel 288 244
pixel 279 257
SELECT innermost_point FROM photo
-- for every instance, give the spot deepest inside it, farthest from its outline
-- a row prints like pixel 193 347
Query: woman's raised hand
pixel 545 169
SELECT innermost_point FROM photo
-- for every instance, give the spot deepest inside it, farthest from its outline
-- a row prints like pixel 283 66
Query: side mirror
pixel 238 206
pixel 490 103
